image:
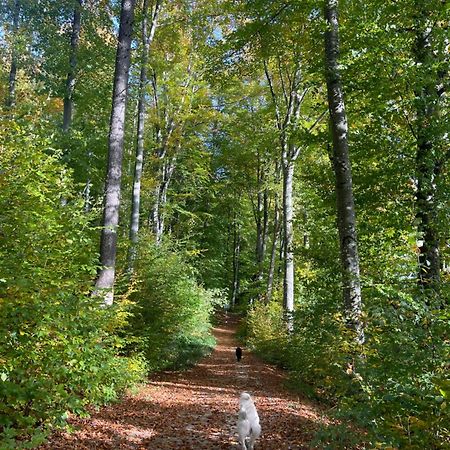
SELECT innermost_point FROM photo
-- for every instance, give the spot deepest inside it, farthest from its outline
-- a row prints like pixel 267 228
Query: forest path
pixel 197 408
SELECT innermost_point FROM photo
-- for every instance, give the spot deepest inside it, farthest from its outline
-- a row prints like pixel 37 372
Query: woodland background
pixel 229 187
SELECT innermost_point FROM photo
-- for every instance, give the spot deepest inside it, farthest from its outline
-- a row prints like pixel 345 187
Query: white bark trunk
pixel 273 254
pixel 288 207
pixel 290 151
pixel 70 82
pixel 166 173
pixel 108 246
pixel 147 37
pixel 341 163
pixel 427 165
pixel 236 256
pixel 11 99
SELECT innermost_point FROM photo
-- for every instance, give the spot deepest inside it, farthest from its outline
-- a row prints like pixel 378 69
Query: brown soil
pixel 197 408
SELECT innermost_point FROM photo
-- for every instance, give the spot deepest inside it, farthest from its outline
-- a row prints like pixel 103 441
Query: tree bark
pixel 236 255
pixel 273 253
pixel 288 230
pixel 346 216
pixel 11 98
pixel 275 235
pixel 163 140
pixel 261 222
pixel 71 75
pixel 167 170
pixel 427 165
pixel 290 151
pixel 147 38
pixel 108 246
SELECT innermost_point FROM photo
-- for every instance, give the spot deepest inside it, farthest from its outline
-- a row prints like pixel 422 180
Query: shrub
pixel 58 351
pixel 172 312
pixel 266 331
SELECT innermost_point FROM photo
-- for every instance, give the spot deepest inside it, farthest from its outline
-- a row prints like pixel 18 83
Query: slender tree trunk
pixel 261 223
pixel 71 75
pixel 346 216
pixel 427 168
pixel 167 170
pixel 290 151
pixel 288 230
pixel 273 254
pixel 87 188
pixel 305 234
pixel 108 246
pixel 147 37
pixel 164 169
pixel 259 231
pixel 156 216
pixel 155 221
pixel 265 221
pixel 236 256
pixel 11 99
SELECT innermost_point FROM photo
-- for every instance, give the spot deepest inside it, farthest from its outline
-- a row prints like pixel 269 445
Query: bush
pixel 266 331
pixel 172 312
pixel 395 387
pixel 58 351
pixel 404 379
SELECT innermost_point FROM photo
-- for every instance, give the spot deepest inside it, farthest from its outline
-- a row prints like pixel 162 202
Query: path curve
pixel 197 409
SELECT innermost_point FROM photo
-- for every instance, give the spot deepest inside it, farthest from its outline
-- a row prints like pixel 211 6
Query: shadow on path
pixel 197 409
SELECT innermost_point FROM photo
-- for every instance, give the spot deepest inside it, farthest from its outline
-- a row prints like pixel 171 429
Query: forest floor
pixel 197 408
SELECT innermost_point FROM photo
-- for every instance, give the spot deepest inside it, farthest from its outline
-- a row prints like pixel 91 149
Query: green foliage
pixel 266 331
pixel 397 389
pixel 404 376
pixel 58 351
pixel 172 312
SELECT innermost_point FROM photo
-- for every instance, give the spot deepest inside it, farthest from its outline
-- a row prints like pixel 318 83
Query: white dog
pixel 248 422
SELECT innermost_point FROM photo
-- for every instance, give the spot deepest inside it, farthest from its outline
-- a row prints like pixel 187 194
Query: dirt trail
pixel 197 409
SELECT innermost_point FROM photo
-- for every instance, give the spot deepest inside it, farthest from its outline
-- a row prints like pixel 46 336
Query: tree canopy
pixel 287 160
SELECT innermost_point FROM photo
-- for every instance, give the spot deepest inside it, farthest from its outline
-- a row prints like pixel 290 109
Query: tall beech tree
pixel 104 285
pixel 275 236
pixel 236 226
pixel 346 216
pixel 146 40
pixel 11 98
pixel 261 214
pixel 71 75
pixel 430 154
pixel 287 113
pixel 169 123
pixel 180 103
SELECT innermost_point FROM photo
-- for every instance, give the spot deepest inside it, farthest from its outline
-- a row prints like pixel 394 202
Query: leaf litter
pixel 197 408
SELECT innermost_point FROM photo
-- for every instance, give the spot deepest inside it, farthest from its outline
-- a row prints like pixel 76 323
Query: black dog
pixel 238 353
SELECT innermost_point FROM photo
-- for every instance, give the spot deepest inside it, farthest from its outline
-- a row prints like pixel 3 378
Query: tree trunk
pixel 11 99
pixel 236 255
pixel 167 172
pixel 427 167
pixel 261 223
pixel 161 154
pixel 346 216
pixel 290 151
pixel 273 254
pixel 288 207
pixel 147 37
pixel 108 246
pixel 70 82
